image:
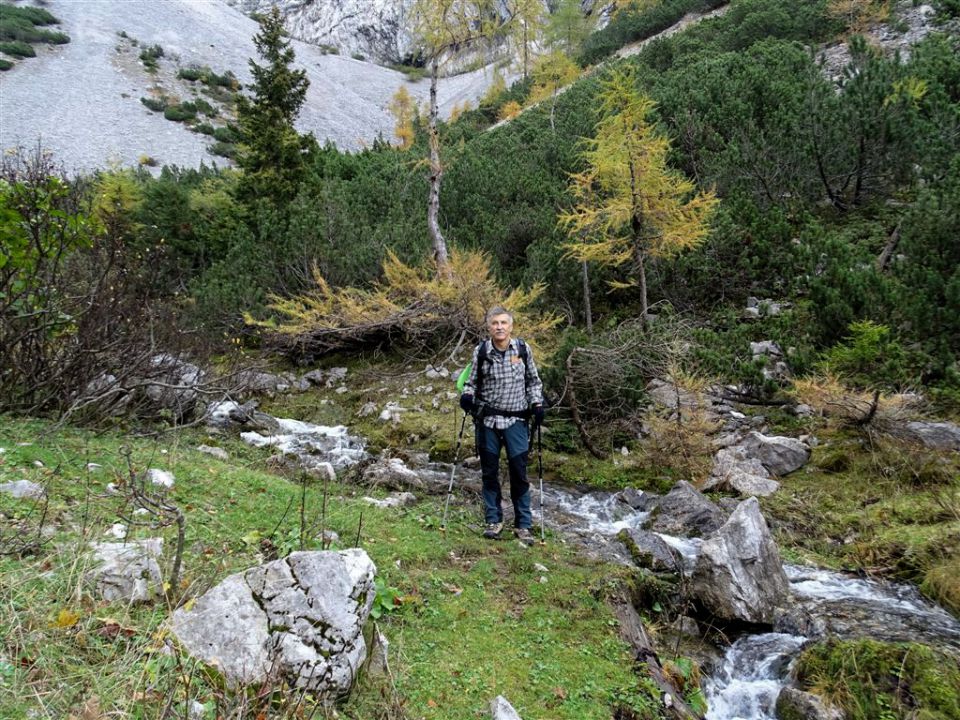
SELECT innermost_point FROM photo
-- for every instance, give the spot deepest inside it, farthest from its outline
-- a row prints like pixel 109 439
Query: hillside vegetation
pixel 660 216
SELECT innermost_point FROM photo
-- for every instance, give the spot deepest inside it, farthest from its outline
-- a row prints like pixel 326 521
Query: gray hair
pixel 498 310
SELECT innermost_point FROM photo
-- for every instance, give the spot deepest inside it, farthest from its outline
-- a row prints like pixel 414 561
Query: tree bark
pixel 436 176
pixel 586 299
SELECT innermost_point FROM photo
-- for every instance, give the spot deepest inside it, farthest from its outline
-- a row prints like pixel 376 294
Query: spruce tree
pixel 273 155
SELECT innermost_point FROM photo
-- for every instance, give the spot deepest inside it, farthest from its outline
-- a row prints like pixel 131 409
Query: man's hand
pixel 537 411
pixel 466 402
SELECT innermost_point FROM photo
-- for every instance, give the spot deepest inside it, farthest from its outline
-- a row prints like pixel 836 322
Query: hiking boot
pixel 524 536
pixel 493 530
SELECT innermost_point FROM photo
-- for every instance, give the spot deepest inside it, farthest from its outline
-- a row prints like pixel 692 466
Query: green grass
pixel 872 680
pixel 888 508
pixel 475 619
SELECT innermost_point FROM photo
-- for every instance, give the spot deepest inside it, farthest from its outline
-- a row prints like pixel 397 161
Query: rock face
pixel 793 704
pixel 733 470
pixel 374 29
pixel 301 616
pixel 686 511
pixel 739 574
pixel 127 572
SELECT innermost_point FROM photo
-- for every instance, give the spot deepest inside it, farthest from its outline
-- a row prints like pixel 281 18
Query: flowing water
pixel 755 667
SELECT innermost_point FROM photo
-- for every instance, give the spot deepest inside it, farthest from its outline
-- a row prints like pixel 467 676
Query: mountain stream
pixel 756 666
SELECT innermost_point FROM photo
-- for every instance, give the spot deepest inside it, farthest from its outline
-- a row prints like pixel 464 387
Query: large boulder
pixel 739 574
pixel 301 616
pixel 650 551
pixel 936 435
pixel 172 385
pixel 127 572
pixel 734 470
pixel 686 511
pixel 231 415
pixel 794 704
pixel 780 455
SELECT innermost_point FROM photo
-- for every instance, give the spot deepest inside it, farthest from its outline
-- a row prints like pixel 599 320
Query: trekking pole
pixel 453 470
pixel 543 540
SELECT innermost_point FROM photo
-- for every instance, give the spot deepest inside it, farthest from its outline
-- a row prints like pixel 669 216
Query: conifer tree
pixel 527 22
pixel 273 155
pixel 404 109
pixel 567 27
pixel 630 206
pixel 552 72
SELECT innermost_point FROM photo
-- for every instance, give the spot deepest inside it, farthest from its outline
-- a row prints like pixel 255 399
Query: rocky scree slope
pixel 82 100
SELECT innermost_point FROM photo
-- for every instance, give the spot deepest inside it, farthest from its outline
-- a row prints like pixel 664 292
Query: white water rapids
pixel 757 666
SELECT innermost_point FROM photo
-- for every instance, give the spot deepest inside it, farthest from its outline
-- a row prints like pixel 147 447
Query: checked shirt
pixel 507 384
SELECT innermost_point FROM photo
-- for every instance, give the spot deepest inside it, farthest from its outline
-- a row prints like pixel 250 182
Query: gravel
pixel 82 100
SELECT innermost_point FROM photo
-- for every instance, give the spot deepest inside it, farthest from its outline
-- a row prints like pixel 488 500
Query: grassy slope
pixel 476 619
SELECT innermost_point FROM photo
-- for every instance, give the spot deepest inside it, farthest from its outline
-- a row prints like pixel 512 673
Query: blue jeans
pixel 517 441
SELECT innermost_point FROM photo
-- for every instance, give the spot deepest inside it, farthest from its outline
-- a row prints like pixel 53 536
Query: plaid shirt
pixel 507 383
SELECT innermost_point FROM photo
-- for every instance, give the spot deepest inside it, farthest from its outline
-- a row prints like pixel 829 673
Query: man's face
pixel 500 327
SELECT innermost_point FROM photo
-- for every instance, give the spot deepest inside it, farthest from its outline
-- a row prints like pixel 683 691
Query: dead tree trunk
pixel 436 176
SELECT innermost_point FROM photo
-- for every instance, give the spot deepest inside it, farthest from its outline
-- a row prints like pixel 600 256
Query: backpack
pixel 482 359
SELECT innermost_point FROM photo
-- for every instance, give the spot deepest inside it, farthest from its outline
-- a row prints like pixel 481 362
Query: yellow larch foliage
pixel 509 110
pixel 404 109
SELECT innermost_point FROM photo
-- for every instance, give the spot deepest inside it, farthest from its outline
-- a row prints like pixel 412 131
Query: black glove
pixel 537 411
pixel 466 402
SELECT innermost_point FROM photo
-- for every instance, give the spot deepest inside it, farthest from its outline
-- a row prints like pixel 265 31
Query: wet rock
pixel 779 455
pixel 687 626
pixel 798 620
pixel 323 471
pixel 649 550
pixel 739 574
pixel 24 489
pixel 794 704
pixel 936 435
pixel 230 415
pixel 392 473
pixel 218 453
pixel 638 499
pixel 687 512
pixel 394 500
pixel 127 572
pixel 501 709
pixel 301 616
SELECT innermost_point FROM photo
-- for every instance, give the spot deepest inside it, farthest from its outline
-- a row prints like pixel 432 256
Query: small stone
pixel 367 409
pixel 197 710
pixel 323 471
pixel 540 568
pixel 161 478
pixel 140 512
pixel 402 499
pixel 112 489
pixel 24 489
pixel 37 463
pixel 501 709
pixel 94 467
pixel 624 451
pixel 216 452
pixel 341 390
pixel 117 530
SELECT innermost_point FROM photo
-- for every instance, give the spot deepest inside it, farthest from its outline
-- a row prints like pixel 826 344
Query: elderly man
pixel 502 392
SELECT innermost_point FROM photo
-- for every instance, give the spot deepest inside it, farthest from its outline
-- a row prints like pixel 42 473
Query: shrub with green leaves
pixel 183 112
pixel 5 64
pixel 150 56
pixel 17 48
pixel 21 24
pixel 158 104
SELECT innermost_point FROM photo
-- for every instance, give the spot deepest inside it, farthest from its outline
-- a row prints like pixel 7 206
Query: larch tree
pixel 443 28
pixel 567 27
pixel 273 155
pixel 552 73
pixel 630 206
pixel 527 20
pixel 404 109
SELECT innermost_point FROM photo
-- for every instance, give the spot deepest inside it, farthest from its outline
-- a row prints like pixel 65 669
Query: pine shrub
pixel 17 48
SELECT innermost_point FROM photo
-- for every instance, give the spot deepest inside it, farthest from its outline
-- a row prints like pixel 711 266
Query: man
pixel 503 390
